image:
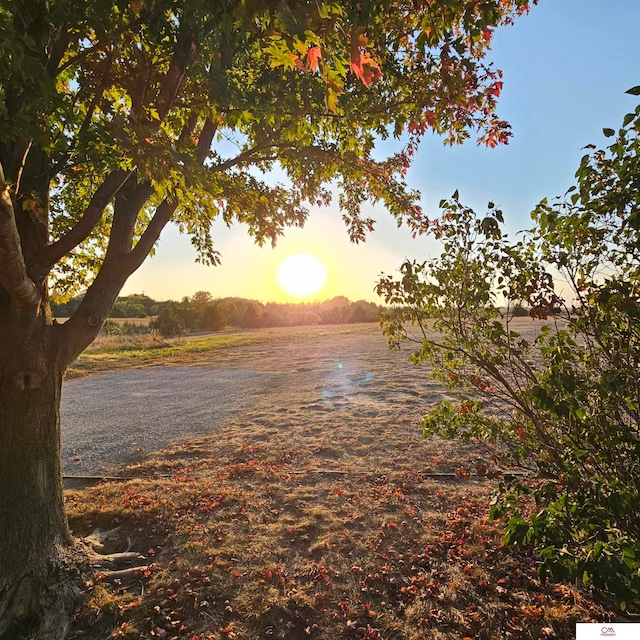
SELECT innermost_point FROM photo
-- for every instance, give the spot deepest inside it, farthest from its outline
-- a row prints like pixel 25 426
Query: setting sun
pixel 302 275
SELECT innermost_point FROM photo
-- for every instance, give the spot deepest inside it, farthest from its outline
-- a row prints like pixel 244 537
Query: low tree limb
pixel 90 218
pixel 13 271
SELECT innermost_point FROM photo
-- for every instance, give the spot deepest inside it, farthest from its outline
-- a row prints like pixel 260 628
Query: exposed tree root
pixel 121 574
pixel 115 560
pixel 98 538
pixel 111 567
pixel 73 567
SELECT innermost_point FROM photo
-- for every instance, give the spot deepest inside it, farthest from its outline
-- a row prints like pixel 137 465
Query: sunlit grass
pixel 116 352
pixel 249 538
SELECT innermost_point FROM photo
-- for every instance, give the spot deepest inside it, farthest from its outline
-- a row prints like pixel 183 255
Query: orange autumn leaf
pixel 365 68
pixel 314 55
pixel 361 63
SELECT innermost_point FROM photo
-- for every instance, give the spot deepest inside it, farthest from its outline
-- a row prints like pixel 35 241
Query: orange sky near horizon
pixel 249 271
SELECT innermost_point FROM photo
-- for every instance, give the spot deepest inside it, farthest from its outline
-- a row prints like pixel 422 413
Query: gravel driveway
pixel 113 418
pixel 109 419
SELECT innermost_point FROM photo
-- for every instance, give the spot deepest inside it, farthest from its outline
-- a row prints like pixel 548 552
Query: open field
pixel 316 511
pixel 109 353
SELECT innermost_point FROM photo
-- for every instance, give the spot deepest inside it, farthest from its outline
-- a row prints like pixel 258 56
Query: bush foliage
pixel 565 404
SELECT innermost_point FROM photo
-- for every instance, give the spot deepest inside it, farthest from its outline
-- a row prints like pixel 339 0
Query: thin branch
pixel 57 52
pixel 90 218
pixel 151 234
pixel 100 45
pixel 249 154
pixel 174 77
pixel 206 138
pixel 13 271
pixel 23 147
pixel 245 156
pixel 167 208
pixel 188 128
pixel 103 84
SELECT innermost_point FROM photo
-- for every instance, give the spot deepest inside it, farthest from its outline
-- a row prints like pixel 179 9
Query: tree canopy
pixel 119 117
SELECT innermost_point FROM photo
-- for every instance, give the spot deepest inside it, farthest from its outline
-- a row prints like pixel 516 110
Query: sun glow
pixel 302 275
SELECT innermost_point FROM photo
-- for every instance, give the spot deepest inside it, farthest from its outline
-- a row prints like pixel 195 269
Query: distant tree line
pixel 203 312
pixel 134 306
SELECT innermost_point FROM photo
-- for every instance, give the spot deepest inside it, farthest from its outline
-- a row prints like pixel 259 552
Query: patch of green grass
pixel 163 348
pixel 121 353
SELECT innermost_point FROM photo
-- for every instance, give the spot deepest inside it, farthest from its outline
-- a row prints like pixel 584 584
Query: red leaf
pixel 356 65
pixel 495 89
pixel 314 55
pixel 365 68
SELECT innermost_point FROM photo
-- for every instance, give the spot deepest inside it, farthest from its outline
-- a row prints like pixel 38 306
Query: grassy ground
pixel 119 352
pixel 305 519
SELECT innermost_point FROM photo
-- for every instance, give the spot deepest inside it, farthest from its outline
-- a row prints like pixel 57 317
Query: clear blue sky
pixel 566 68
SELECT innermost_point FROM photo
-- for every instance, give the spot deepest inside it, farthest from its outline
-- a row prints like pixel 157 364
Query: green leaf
pixel 608 132
pixel 634 91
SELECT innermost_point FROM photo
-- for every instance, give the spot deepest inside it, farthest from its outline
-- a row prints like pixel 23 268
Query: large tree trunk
pixel 36 588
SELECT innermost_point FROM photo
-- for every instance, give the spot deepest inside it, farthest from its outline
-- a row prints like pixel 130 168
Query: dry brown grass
pixel 317 514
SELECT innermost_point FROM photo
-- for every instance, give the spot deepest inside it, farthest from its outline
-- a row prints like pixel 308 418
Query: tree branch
pixel 174 77
pixel 83 326
pixel 128 204
pixel 90 218
pixel 249 154
pixel 13 271
pixel 166 208
pixel 246 156
pixel 57 52
pixel 101 44
pixel 205 140
pixel 151 234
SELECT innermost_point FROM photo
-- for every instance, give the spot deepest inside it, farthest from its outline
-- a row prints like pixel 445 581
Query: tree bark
pixel 36 587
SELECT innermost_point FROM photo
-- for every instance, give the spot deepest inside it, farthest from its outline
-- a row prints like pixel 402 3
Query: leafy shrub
pixel 167 323
pixel 520 311
pixel 563 405
pixel 126 310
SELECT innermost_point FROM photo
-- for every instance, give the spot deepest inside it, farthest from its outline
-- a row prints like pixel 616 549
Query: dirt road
pixel 117 417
